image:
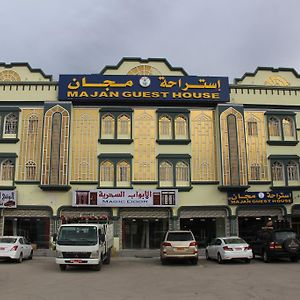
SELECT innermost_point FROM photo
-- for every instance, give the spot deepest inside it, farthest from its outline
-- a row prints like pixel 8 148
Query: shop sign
pixel 146 88
pixel 125 198
pixel 258 198
pixel 8 199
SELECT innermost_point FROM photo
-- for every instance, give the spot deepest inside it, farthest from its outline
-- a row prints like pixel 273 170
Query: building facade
pixel 218 159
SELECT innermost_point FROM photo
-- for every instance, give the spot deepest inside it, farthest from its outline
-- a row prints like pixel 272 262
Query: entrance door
pixel 204 229
pixel 248 226
pixel 36 230
pixel 143 233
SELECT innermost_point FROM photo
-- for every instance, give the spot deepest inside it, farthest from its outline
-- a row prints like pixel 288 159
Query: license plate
pixel 238 249
pixel 76 261
pixel 180 248
pixel 2 248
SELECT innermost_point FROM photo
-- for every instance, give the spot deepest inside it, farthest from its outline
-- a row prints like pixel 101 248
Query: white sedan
pixel 229 248
pixel 15 247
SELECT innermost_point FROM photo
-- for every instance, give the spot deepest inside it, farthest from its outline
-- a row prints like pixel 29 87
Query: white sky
pixel 220 37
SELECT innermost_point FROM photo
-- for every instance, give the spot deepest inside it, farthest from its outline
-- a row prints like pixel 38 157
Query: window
pixel 255 172
pixel 107 174
pixel 173 126
pixel 115 170
pixel 115 126
pixel 174 170
pixel 9 125
pixel 33 123
pixel 285 170
pixel 282 129
pixel 30 168
pixel 252 128
pixel 7 170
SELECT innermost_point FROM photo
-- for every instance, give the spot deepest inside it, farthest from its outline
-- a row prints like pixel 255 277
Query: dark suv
pixel 276 243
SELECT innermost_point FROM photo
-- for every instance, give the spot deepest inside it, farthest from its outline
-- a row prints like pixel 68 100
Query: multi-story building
pixel 149 147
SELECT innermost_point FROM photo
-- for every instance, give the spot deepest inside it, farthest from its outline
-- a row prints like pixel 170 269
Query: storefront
pixel 32 222
pixel 295 218
pixel 205 223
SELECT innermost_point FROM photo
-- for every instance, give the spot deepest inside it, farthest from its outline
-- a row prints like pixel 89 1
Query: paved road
pixel 145 278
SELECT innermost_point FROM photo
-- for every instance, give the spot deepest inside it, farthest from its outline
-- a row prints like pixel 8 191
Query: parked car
pixel 179 245
pixel 229 248
pixel 15 247
pixel 276 243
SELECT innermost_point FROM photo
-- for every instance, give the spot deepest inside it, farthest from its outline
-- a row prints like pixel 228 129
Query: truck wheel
pixel 107 259
pixel 63 267
pixel 99 266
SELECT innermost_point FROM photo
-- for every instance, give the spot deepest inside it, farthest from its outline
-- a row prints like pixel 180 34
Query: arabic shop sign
pixel 260 198
pixel 8 199
pixel 146 88
pixel 125 198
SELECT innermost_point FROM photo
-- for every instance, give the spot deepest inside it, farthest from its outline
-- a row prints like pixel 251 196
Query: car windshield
pixel 280 236
pixel 8 240
pixel 179 236
pixel 234 241
pixel 77 235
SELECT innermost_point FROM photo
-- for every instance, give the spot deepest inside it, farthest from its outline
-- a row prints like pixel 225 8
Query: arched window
pixel 288 128
pixel 108 127
pixel 277 171
pixel 10 125
pixel 30 168
pixel 7 170
pixel 107 174
pixel 274 128
pixel 181 131
pixel 182 174
pixel 165 128
pixel 255 172
pixel 252 128
pixel 292 171
pixel 123 174
pixel 166 174
pixel 124 127
pixel 33 123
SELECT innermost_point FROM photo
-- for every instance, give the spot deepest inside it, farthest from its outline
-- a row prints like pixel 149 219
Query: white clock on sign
pixel 145 81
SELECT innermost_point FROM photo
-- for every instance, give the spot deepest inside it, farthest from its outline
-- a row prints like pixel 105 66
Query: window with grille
pixel 292 171
pixel 277 171
pixel 124 127
pixel 165 128
pixel 166 174
pixel 7 170
pixel 274 127
pixel 33 123
pixel 107 174
pixel 123 174
pixel 108 127
pixel 182 174
pixel 288 128
pixel 10 125
pixel 252 128
pixel 181 131
pixel 255 172
pixel 30 168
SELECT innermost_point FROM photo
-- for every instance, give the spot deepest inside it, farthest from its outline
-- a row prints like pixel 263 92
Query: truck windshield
pixel 77 235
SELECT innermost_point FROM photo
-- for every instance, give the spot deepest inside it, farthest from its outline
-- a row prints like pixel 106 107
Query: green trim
pixel 116 141
pixel 205 182
pixel 224 188
pixel 9 140
pixel 173 110
pixel 282 143
pixel 114 187
pixel 84 182
pixel 115 109
pixel 145 182
pixel 10 109
pixel 8 155
pixel 280 113
pixel 173 156
pixel 27 182
pixel 180 189
pixel 251 182
pixel 115 155
pixel 173 142
pixel 286 187
pixel 55 187
pixel 12 187
pixel 283 157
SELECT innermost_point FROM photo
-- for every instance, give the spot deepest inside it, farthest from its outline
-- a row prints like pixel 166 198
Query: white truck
pixel 84 244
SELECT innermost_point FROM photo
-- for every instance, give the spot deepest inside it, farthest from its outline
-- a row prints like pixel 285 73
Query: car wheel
pixel 98 266
pixel 63 267
pixel 266 257
pixel 220 260
pixel 206 255
pixel 294 258
pixel 194 261
pixel 31 254
pixel 107 259
pixel 163 261
pixel 247 260
pixel 253 255
pixel 20 259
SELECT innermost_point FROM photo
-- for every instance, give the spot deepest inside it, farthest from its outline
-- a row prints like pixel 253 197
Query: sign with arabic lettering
pixel 8 199
pixel 146 88
pixel 125 198
pixel 259 198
